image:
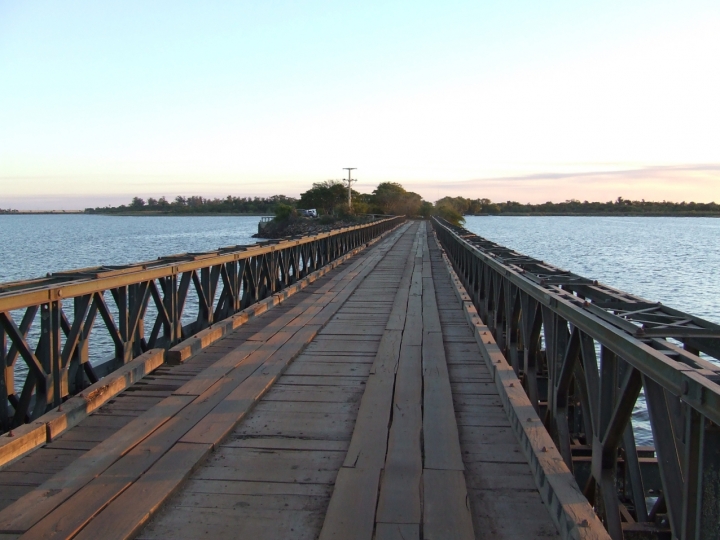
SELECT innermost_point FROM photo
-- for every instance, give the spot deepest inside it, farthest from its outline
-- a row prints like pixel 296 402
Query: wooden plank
pixel 242 487
pixel 284 443
pixel 388 352
pixel 332 346
pixel 34 506
pixel 440 432
pixel 339 369
pixel 215 426
pixel 412 334
pixel 351 512
pixel 446 513
pixel 399 500
pixel 369 439
pixel 130 511
pixel 259 465
pixel 312 425
pixel 82 433
pixel 397 531
pixel 398 313
pixel 243 505
pixel 431 316
pixel 234 523
pixel 309 380
pixel 320 394
pixel 23 478
pixel 496 476
pixel 72 445
pixel 275 408
pixel 493 417
pixel 210 375
pixel 68 518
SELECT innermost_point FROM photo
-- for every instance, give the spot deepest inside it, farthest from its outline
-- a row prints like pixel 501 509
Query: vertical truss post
pixel 701 500
pixel 4 405
pixel 81 354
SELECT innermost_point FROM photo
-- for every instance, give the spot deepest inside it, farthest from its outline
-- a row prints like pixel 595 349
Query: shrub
pixel 283 212
pixel 449 213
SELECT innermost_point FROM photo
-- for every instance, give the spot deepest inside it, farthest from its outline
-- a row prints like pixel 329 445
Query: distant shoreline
pixel 600 214
pixel 260 214
pixel 130 214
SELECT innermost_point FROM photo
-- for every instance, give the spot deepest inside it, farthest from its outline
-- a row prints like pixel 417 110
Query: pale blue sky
pixel 101 100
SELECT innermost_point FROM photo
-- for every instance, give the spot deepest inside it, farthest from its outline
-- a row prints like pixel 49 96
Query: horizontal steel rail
pixel 224 281
pixel 585 353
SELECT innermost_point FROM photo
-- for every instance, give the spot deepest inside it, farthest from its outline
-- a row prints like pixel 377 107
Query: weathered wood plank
pixel 234 523
pixel 399 500
pixel 339 369
pixel 209 376
pixel 351 512
pixel 128 513
pixel 337 394
pixel 446 514
pixel 369 439
pixel 285 443
pixel 440 432
pixel 215 426
pixel 260 465
pixel 397 531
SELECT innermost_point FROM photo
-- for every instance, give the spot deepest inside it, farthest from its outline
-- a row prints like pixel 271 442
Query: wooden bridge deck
pixel 359 408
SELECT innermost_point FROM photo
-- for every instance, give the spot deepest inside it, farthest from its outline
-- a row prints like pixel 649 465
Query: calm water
pixel 31 246
pixel 675 261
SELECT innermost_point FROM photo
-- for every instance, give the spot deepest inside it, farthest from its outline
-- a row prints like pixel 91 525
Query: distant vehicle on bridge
pixel 312 212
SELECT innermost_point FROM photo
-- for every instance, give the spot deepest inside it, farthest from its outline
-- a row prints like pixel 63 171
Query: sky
pixel 516 100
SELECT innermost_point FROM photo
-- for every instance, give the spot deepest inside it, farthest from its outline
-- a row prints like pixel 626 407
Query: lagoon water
pixel 675 261
pixel 32 245
pixel 672 260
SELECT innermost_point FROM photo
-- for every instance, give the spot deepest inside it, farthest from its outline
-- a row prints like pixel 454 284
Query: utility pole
pixel 350 180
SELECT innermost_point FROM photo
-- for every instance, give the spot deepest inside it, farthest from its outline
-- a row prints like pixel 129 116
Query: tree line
pixel 329 198
pixel 198 205
pixel 466 206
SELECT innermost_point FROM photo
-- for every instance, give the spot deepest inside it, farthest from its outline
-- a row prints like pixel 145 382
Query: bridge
pixel 398 379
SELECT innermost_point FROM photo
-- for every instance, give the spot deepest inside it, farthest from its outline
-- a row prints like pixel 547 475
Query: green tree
pixel 391 198
pixel 137 203
pixel 448 212
pixel 324 196
pixel 283 212
pixel 426 209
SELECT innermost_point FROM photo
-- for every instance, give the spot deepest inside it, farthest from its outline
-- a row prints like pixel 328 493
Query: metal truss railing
pixel 50 322
pixel 585 353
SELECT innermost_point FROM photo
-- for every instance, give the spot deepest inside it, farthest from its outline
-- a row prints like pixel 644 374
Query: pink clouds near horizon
pixel 697 182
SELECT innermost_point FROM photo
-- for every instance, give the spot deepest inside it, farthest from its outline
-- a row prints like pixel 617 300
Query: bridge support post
pixel 4 405
pixel 701 501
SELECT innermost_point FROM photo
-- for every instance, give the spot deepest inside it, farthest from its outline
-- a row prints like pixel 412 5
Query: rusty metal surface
pixel 586 352
pixel 62 309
